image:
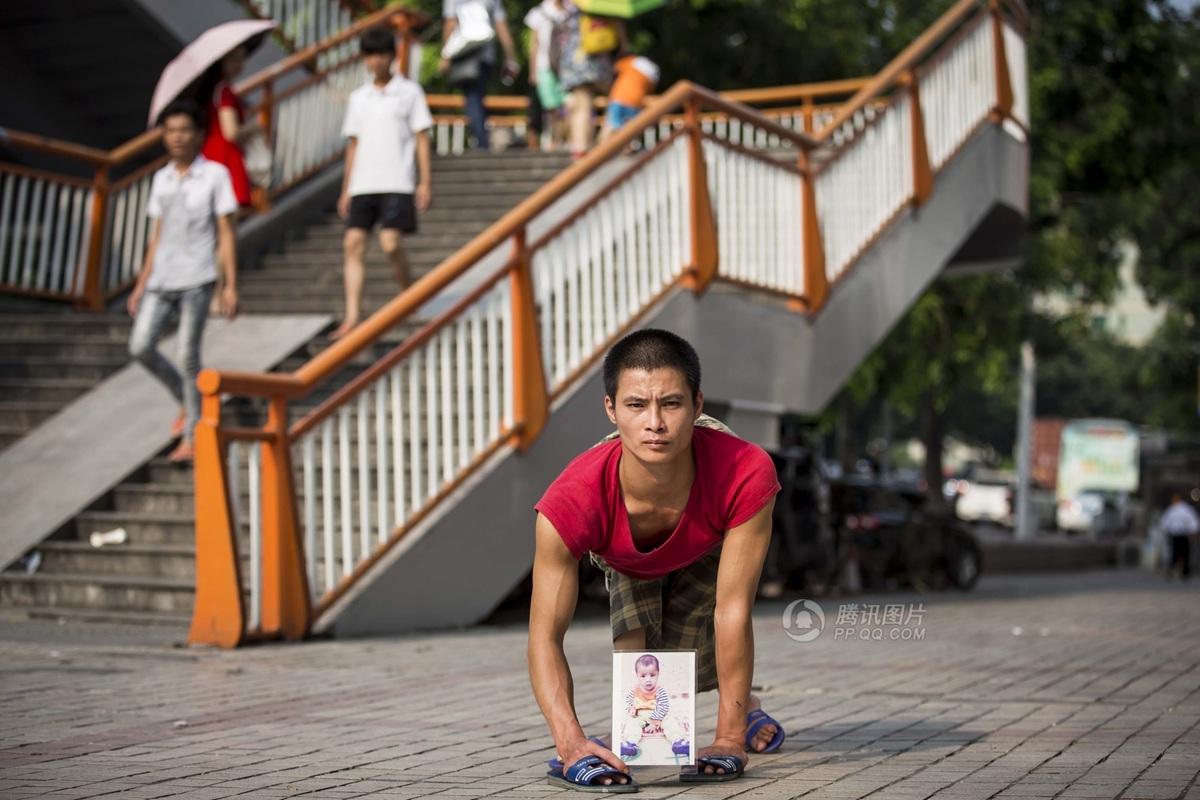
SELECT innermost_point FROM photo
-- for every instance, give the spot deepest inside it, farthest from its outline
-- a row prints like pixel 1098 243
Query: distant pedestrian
pixel 546 91
pixel 1180 523
pixel 585 67
pixel 469 31
pixel 387 129
pixel 226 115
pixel 192 205
pixel 636 77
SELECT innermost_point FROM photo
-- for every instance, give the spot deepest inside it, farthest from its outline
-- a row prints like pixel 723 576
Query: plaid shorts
pixel 676 610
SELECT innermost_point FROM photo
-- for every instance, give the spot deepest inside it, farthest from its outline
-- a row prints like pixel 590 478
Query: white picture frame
pixel 671 740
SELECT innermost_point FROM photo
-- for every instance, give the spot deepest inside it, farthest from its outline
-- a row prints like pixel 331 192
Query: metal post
pixel 1025 526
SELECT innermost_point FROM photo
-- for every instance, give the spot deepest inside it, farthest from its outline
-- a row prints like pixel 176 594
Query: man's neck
pixel 182 165
pixel 656 483
pixel 383 81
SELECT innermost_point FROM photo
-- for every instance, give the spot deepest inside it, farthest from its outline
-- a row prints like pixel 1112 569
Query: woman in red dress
pixel 222 142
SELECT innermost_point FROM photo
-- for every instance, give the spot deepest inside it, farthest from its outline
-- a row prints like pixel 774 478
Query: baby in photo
pixel 648 711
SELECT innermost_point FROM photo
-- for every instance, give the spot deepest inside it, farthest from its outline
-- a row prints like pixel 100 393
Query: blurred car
pixel 1095 511
pixel 894 535
pixel 982 496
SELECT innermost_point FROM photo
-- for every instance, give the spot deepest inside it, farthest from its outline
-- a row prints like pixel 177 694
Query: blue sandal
pixel 756 720
pixel 734 768
pixel 585 776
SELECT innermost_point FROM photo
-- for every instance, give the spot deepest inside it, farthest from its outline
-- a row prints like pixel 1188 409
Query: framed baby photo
pixel 654 707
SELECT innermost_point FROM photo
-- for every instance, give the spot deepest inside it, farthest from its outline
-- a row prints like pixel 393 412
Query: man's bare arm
pixel 139 287
pixel 742 557
pixel 227 257
pixel 555 591
pixel 424 193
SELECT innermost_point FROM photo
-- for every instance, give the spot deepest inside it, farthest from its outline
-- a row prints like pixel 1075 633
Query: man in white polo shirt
pixel 387 124
pixel 192 204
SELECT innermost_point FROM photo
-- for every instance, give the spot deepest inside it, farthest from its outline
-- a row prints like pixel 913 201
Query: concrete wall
pixel 461 563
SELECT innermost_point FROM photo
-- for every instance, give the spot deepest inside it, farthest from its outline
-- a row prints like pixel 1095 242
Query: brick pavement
pixel 1061 686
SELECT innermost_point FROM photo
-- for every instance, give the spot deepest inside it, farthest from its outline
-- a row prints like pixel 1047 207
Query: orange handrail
pixel 911 56
pixel 794 93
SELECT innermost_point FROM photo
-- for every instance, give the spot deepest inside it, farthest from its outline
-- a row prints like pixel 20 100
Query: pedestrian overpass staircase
pixel 386 482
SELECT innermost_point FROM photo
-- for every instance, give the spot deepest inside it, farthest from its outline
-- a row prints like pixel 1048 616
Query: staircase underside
pixel 454 569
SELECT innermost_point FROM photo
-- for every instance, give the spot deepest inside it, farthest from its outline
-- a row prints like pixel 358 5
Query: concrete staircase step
pixel 63 348
pixel 93 368
pixel 51 390
pixel 27 414
pixel 107 616
pixel 99 592
pixel 17 326
pixel 158 561
pixel 144 528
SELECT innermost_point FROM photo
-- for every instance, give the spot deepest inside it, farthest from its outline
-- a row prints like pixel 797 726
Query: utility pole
pixel 1024 525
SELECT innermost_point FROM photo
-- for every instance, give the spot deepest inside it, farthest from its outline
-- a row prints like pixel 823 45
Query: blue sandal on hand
pixel 586 774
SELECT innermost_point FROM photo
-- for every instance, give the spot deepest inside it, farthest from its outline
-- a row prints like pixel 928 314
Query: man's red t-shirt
pixel 734 480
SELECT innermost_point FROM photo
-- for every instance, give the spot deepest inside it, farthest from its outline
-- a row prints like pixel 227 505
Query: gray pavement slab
pixel 1081 685
pixel 56 471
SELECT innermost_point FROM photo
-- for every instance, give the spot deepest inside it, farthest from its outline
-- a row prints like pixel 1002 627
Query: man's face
pixel 647 676
pixel 654 413
pixel 180 136
pixel 379 64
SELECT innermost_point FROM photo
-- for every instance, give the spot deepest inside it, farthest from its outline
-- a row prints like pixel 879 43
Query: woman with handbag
pixel 585 46
pixel 469 31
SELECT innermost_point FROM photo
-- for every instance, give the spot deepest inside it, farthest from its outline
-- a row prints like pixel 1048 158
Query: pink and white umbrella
pixel 195 59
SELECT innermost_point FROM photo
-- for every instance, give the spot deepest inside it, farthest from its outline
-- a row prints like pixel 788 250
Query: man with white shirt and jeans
pixel 1180 523
pixel 192 205
pixel 386 128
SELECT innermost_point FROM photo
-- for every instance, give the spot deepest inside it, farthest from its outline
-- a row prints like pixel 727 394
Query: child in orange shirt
pixel 635 77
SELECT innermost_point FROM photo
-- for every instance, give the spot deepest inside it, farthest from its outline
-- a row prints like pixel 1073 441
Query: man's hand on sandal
pixel 586 747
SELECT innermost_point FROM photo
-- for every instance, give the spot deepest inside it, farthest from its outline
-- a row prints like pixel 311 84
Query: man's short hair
pixel 647 661
pixel 182 106
pixel 650 349
pixel 377 41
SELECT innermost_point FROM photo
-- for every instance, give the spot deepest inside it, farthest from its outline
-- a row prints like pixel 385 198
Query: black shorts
pixel 395 211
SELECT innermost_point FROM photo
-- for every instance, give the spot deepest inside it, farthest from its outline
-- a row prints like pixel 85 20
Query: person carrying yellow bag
pixel 588 43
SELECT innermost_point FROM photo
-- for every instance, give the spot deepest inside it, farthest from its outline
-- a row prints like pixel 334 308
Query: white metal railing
pixel 126 231
pixel 385 455
pixel 308 22
pixel 1014 49
pixel 45 226
pixel 308 126
pixel 866 183
pixel 757 206
pixel 957 90
pixel 592 275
